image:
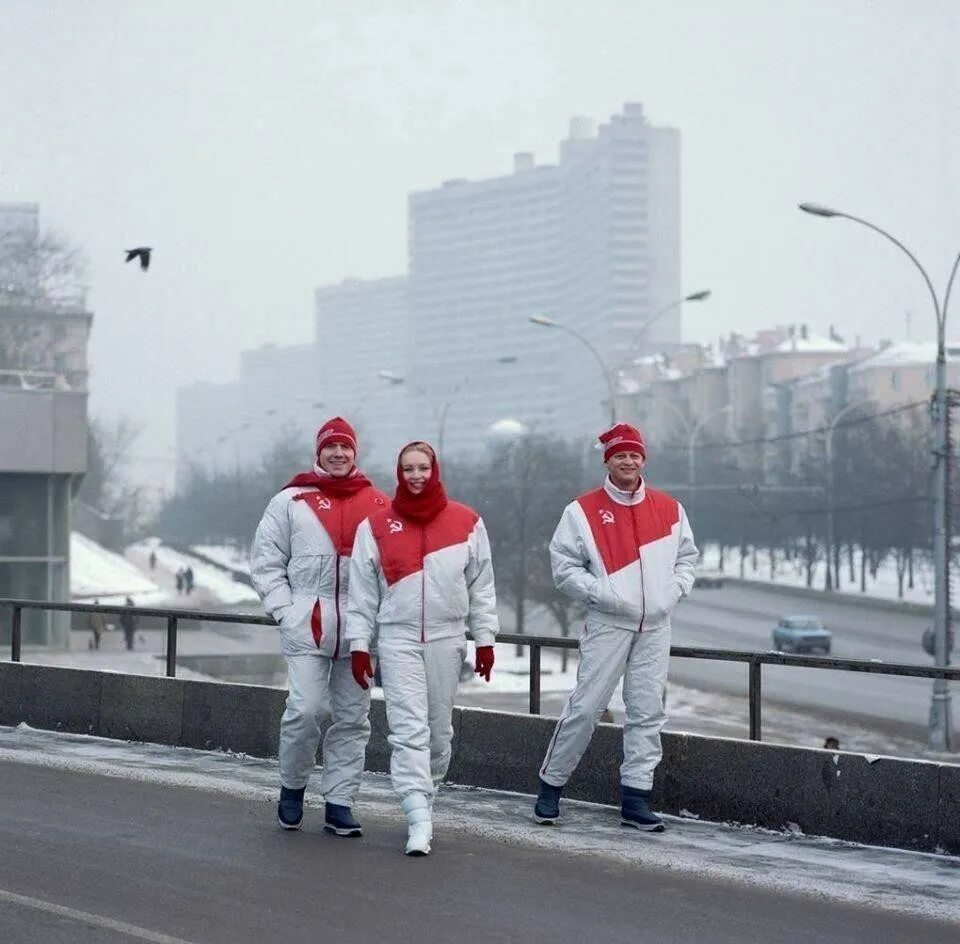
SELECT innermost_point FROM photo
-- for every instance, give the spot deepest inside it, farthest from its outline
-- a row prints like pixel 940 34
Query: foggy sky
pixel 266 148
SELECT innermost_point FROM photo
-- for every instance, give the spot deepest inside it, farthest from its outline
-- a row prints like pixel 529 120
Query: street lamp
pixel 833 571
pixel 940 720
pixel 439 415
pixel 700 296
pixel 546 322
pixel 692 451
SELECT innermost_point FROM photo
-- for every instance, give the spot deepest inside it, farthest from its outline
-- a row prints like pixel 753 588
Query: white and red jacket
pixel 300 560
pixel 422 581
pixel 629 556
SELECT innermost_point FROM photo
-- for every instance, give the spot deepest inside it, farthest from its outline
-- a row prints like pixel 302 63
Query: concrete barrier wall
pixel 882 801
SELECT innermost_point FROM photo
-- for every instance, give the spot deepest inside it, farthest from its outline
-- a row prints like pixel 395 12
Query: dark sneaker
pixel 340 821
pixel 547 810
pixel 635 810
pixel 290 808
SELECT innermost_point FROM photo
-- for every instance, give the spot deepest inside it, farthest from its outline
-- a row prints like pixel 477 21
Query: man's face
pixel 336 459
pixel 625 468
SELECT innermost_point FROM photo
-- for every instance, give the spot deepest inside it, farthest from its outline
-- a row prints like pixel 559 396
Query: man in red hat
pixel 627 553
pixel 299 565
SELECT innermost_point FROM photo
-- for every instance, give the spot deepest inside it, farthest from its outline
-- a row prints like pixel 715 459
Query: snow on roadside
pixel 210 578
pixel 99 574
pixel 794 574
pixel 230 557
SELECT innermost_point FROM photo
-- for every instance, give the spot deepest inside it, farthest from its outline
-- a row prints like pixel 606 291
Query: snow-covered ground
pixel 230 557
pixel 99 574
pixel 794 574
pixel 889 879
pixel 206 577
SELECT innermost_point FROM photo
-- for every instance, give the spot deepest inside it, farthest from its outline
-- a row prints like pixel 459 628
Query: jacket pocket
pixel 316 623
pixel 295 630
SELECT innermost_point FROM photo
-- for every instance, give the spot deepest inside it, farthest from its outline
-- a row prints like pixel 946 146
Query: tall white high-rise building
pixel 592 242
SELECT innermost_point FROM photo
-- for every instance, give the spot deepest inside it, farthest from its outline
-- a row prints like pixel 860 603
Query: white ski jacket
pixel 299 563
pixel 421 581
pixel 629 557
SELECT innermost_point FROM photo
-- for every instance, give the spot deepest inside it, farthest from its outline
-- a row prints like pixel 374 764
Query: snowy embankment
pixel 793 573
pixel 217 582
pixel 99 574
pixel 233 559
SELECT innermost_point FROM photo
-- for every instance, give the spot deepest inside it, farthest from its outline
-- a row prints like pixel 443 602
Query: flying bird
pixel 141 252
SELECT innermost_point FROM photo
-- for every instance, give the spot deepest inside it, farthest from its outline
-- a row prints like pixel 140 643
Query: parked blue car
pixel 801 634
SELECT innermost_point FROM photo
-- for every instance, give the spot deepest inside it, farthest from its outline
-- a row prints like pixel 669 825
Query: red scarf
pixel 424 507
pixel 339 486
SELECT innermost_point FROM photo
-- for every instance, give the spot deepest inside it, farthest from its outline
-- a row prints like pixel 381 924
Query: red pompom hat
pixel 337 430
pixel 622 438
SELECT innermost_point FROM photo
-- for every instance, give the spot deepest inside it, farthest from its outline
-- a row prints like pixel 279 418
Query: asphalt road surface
pixel 740 617
pixel 100 859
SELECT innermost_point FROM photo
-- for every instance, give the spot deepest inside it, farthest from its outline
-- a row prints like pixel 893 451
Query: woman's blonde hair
pixel 423 447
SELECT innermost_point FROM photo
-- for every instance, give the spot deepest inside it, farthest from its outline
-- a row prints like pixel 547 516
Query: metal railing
pixel 535 645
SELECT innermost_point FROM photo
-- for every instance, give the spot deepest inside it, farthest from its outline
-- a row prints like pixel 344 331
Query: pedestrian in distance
pixel 421 572
pixel 153 560
pixel 128 621
pixel 179 580
pixel 96 624
pixel 625 551
pixel 188 580
pixel 300 567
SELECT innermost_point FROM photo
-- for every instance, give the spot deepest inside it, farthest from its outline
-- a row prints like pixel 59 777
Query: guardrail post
pixel 754 693
pixel 171 647
pixel 534 678
pixel 15 634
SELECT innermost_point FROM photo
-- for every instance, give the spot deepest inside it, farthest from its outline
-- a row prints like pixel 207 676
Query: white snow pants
pixel 606 654
pixel 420 681
pixel 322 688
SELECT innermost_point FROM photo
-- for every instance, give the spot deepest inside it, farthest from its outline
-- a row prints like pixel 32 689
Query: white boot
pixel 419 824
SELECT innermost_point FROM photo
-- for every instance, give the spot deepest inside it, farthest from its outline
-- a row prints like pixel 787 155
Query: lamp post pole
pixel 545 322
pixel 940 712
pixel 701 296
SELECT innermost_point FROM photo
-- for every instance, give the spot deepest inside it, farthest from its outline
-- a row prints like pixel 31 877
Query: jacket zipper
pixel 336 587
pixel 423 583
pixel 643 592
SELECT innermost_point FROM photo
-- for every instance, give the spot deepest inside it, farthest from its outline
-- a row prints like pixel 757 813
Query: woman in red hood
pixel 421 572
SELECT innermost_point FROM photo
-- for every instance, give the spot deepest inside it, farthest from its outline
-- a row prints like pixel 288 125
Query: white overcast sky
pixel 266 148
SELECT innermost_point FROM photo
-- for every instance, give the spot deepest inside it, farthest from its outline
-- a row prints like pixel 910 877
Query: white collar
pixel 625 498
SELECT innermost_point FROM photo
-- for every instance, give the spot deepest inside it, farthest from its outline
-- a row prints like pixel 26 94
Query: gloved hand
pixel 484 661
pixel 361 668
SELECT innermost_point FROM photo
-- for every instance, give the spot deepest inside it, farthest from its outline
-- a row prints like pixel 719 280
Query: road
pixel 739 617
pixel 742 617
pixel 109 859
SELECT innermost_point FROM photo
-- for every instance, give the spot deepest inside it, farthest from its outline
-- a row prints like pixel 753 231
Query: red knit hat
pixel 337 430
pixel 622 438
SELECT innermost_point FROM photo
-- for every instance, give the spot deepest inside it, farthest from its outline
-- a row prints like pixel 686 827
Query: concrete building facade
pixel 591 242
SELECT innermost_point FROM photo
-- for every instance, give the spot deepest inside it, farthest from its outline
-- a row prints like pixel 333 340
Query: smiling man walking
pixel 299 565
pixel 627 553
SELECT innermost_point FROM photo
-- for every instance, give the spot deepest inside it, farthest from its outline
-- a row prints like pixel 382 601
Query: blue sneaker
pixel 635 810
pixel 547 810
pixel 290 808
pixel 340 821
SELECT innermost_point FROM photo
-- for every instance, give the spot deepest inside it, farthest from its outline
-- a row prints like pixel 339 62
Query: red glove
pixel 484 661
pixel 361 668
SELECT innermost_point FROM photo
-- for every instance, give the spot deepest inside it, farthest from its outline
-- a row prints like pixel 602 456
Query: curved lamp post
pixel 546 322
pixel 700 296
pixel 440 415
pixel 940 720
